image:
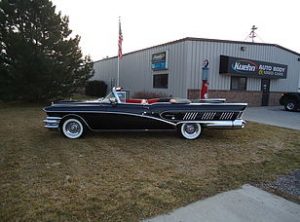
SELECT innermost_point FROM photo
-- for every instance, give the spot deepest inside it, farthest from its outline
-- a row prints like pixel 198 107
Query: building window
pixel 238 83
pixel 160 81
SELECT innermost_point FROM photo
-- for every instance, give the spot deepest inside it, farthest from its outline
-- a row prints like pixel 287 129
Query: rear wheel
pixel 290 105
pixel 190 131
pixel 72 128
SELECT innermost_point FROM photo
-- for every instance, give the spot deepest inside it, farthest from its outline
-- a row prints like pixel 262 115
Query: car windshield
pixel 119 96
pixel 107 98
pixel 110 95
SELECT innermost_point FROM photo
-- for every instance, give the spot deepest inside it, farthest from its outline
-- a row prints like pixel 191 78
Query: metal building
pixel 256 73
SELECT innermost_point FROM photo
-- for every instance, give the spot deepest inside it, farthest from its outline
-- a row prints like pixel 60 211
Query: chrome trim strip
pixel 91 129
pixel 187 115
pixel 214 115
pixel 227 115
pixel 221 117
pixel 194 116
pixel 208 115
pixel 132 130
pixel 238 123
pixel 220 104
pixel 184 116
pixel 199 111
pixel 122 113
pixel 130 114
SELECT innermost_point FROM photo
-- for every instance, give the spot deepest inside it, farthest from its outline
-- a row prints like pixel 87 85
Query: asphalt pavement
pixel 273 115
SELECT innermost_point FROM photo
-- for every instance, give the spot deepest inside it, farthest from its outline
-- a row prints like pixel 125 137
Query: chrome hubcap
pixel 73 128
pixel 190 128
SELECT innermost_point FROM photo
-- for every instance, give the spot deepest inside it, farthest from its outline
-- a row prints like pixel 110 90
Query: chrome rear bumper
pixel 238 123
pixel 52 122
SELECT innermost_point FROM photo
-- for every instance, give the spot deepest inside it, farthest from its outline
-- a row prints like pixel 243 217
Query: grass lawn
pixel 127 176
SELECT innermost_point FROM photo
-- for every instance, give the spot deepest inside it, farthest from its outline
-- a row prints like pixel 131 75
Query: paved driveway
pixel 248 204
pixel 273 115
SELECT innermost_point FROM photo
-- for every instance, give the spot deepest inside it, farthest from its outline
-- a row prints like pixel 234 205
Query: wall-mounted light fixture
pixel 243 48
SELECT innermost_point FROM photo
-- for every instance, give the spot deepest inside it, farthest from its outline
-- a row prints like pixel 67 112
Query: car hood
pixel 73 102
pixel 64 105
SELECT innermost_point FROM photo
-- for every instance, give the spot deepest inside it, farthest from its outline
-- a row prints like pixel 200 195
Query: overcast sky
pixel 147 23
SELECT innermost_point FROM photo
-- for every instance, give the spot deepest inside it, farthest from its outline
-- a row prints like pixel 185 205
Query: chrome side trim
pixel 189 115
pixel 52 122
pixel 208 115
pixel 238 123
pixel 227 115
pixel 130 114
pixel 220 104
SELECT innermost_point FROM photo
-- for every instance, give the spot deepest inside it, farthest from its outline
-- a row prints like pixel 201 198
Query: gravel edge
pixel 286 186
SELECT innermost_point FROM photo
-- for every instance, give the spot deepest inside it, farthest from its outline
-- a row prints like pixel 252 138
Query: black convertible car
pixel 116 112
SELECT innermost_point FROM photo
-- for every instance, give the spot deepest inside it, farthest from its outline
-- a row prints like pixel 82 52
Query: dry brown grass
pixel 127 176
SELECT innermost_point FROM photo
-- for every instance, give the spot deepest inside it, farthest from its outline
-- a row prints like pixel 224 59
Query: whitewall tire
pixel 190 131
pixel 72 128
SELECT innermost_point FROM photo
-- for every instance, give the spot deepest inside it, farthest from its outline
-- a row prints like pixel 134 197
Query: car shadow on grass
pixel 207 134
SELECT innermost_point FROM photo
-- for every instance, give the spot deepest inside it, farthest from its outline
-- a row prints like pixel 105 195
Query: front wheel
pixel 72 128
pixel 290 105
pixel 190 131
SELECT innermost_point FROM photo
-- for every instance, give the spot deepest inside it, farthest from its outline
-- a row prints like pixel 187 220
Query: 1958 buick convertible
pixel 116 112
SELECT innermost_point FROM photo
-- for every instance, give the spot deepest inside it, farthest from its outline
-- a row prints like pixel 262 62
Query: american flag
pixel 120 54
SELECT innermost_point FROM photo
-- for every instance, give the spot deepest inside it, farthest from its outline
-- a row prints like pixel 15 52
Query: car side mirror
pixel 113 100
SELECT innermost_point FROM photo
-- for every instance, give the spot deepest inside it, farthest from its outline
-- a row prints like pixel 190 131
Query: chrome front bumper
pixel 52 122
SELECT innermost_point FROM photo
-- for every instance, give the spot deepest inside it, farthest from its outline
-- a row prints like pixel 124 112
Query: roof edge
pixel 204 40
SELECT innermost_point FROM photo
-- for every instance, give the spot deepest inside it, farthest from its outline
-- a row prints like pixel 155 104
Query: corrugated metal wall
pixel 201 50
pixel 136 74
pixel 185 65
pixel 291 84
pixel 106 70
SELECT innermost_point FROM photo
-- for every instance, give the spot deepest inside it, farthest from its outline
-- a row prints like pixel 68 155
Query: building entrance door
pixel 265 88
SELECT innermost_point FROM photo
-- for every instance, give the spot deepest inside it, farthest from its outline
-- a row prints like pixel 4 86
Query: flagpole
pixel 118 73
pixel 119 55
